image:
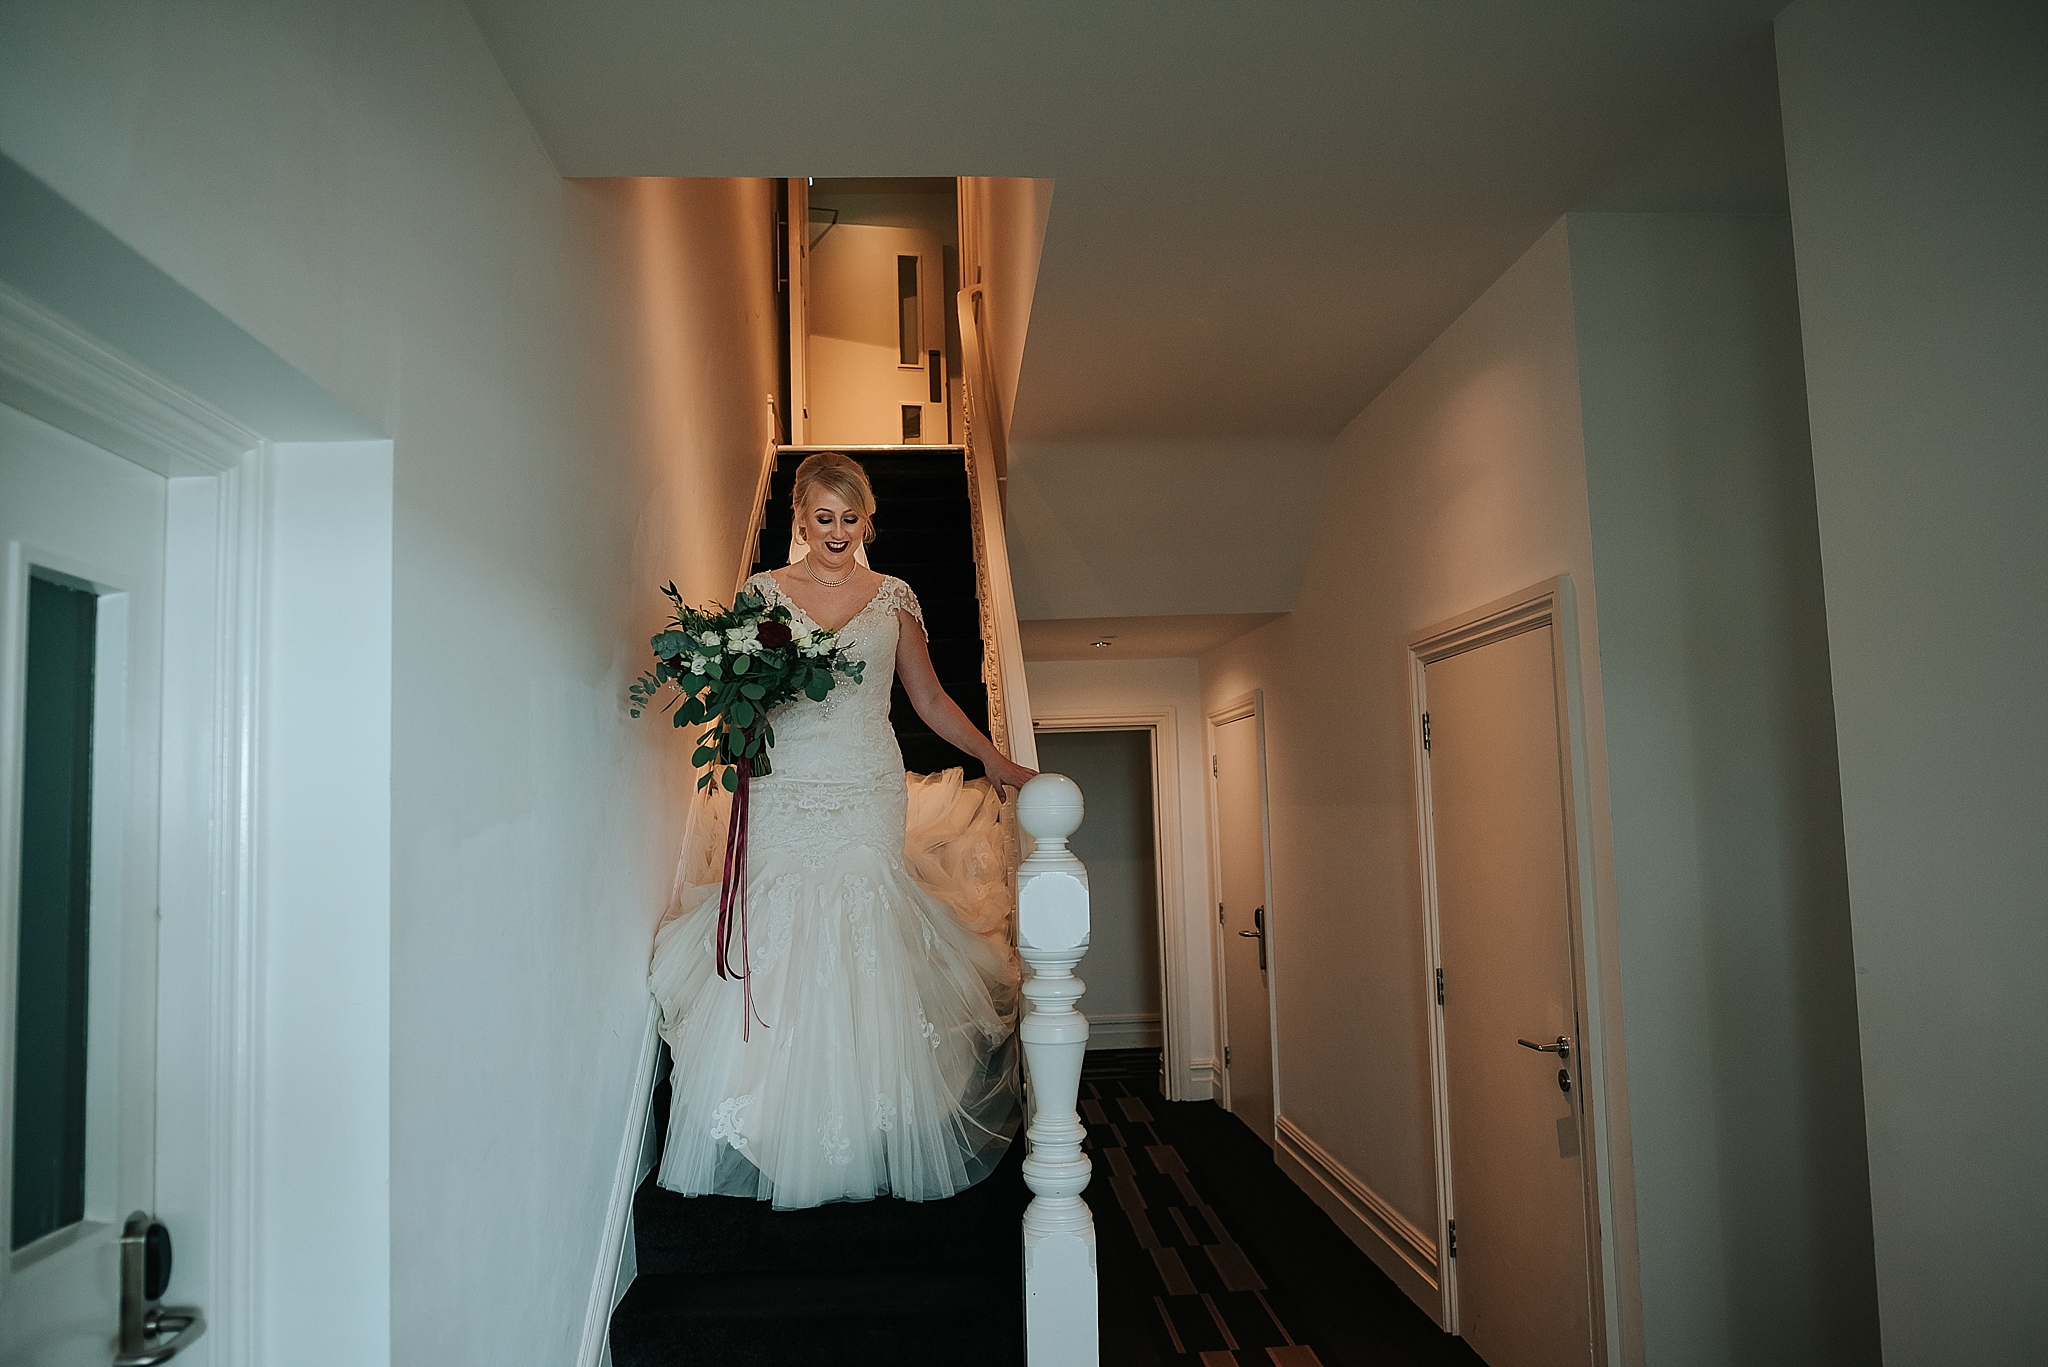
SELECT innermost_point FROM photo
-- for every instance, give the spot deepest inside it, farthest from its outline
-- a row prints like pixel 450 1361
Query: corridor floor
pixel 1210 1256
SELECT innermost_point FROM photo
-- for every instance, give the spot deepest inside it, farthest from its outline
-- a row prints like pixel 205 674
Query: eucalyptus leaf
pixel 726 703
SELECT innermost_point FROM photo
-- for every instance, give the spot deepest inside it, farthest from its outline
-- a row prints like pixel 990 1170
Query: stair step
pixel 914 476
pixel 824 1293
pixel 843 1317
pixel 904 717
pixel 936 756
pixel 957 659
pixel 731 1234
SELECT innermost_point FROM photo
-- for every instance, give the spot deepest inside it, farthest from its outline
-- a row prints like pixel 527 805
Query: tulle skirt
pixel 882 1055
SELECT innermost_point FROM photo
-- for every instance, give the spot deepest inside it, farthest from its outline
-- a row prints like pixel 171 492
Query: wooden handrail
pixel 758 518
pixel 1002 667
pixel 983 391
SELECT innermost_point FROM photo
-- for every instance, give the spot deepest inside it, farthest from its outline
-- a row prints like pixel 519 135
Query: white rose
pixel 709 639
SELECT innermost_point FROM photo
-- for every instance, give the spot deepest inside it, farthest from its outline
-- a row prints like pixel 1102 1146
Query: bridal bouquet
pixel 726 667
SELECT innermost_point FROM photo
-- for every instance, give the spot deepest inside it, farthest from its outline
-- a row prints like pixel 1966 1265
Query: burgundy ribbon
pixel 732 899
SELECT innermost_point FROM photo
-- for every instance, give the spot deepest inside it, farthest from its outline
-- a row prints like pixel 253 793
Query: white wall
pixel 1116 842
pixel 1092 690
pixel 1624 407
pixel 1732 904
pixel 1003 222
pixel 573 377
pixel 1463 482
pixel 325 860
pixel 1916 140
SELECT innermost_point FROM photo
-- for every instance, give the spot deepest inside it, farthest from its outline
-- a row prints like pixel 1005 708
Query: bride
pixel 879 948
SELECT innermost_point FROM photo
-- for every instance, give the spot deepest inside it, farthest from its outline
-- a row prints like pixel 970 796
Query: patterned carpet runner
pixel 1210 1304
pixel 1210 1256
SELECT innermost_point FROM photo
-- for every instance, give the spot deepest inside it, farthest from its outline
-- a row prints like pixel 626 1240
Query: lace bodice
pixel 846 738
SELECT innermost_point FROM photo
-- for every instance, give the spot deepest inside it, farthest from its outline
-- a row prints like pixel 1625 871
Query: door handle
pixel 145 1274
pixel 1563 1047
pixel 1258 932
pixel 183 1322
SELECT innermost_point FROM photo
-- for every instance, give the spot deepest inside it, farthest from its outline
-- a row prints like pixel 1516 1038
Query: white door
pixel 1511 1036
pixel 876 366
pixel 80 685
pixel 1248 1041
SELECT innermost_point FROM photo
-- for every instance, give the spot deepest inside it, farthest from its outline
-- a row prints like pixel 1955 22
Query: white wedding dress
pixel 883 1054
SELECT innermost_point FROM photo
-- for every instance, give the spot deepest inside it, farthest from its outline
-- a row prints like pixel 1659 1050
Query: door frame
pixel 1176 967
pixel 209 964
pixel 1609 1223
pixel 1253 705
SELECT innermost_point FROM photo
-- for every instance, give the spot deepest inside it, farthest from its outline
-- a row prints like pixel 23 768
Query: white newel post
pixel 1052 935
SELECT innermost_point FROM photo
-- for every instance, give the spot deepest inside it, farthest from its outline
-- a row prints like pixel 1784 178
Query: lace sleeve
pixel 897 594
pixel 765 585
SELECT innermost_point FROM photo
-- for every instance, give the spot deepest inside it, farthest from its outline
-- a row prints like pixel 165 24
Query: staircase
pixel 727 1280
pixel 926 538
pixel 730 1281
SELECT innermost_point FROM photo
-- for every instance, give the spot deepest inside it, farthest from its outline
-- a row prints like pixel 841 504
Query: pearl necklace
pixel 822 582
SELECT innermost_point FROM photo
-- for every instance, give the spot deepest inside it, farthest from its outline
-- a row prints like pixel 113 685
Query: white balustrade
pixel 1060 1326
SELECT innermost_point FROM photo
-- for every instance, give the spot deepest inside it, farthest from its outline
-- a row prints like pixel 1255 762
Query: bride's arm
pixel 940 712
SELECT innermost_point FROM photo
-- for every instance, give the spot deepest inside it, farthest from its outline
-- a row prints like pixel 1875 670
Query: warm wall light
pixel 1100 644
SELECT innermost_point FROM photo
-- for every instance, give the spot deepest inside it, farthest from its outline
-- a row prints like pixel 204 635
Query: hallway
pixel 1211 1257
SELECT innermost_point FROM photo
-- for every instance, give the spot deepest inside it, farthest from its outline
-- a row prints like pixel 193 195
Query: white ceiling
pixel 1262 212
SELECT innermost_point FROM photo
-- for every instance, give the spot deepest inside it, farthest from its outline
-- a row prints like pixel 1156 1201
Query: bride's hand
pixel 1009 774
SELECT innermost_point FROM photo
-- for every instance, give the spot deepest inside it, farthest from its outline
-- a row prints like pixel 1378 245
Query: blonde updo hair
pixel 832 473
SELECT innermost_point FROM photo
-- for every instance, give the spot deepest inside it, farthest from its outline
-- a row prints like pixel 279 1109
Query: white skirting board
pixel 1401 1250
pixel 616 1263
pixel 1124 1032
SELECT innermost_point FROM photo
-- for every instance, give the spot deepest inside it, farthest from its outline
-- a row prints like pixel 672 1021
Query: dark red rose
pixel 772 634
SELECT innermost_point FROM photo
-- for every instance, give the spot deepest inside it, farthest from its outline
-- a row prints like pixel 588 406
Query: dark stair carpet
pixel 925 538
pixel 727 1280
